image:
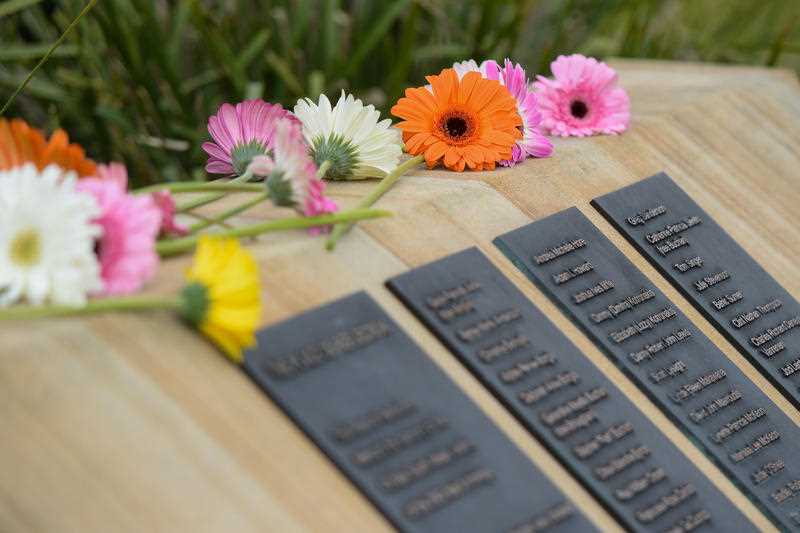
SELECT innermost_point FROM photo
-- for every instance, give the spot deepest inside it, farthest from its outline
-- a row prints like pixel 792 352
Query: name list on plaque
pixel 562 398
pixel 714 273
pixel 399 428
pixel 673 362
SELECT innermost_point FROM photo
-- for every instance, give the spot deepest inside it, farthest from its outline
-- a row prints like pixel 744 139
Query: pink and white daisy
pixel 291 173
pixel 166 205
pixel 513 77
pixel 130 224
pixel 240 133
pixel 582 99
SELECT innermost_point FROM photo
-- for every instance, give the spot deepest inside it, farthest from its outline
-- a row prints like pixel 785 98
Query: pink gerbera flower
pixel 513 77
pixel 291 173
pixel 240 133
pixel 130 223
pixel 166 205
pixel 583 99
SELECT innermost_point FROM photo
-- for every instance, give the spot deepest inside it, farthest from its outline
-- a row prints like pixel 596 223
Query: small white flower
pixel 47 238
pixel 350 136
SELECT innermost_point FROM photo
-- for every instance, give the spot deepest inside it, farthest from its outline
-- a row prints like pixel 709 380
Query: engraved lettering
pixel 775 332
pixel 640 484
pixel 547 520
pixel 754 447
pixel 709 281
pixel 425 466
pixel 767 470
pixel 602 287
pixel 770 351
pixel 406 438
pixel 565 379
pixel 690 522
pixel 651 350
pixel 618 464
pixel 668 247
pixel 627 304
pixel 526 367
pixel 312 356
pixel 671 230
pixel 738 424
pixel 572 273
pixel 579 403
pixel 584 450
pixel 448 493
pixel 662 374
pixel 506 346
pixel 698 385
pixel 646 215
pixel 447 296
pixel 562 249
pixel 650 322
pixel 688 264
pixel 788 491
pixel 667 502
pixel 350 431
pixel 729 299
pixel 482 327
pixel 791 368
pixel 457 310
pixel 710 409
pixel 745 319
pixel 571 425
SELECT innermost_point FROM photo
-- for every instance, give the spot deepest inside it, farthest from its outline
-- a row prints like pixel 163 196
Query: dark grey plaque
pixel 403 432
pixel 561 397
pixel 672 361
pixel 735 293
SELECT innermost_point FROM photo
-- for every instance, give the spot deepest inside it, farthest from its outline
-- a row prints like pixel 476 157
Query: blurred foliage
pixel 137 79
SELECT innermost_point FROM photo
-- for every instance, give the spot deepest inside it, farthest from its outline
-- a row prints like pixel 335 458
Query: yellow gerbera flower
pixel 223 297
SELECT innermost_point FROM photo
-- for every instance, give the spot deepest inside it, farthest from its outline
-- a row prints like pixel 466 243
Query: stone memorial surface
pixel 392 421
pixel 745 303
pixel 562 398
pixel 666 355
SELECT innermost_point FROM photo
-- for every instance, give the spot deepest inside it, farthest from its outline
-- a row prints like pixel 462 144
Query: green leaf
pixel 35 51
pixel 10 7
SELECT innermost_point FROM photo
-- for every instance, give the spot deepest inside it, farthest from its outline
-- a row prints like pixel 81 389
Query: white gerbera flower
pixel 350 137
pixel 46 238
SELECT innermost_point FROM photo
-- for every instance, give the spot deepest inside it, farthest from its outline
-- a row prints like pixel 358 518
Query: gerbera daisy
pixel 240 133
pixel 130 226
pixel 349 139
pixel 46 238
pixel 583 99
pixel 223 296
pixel 469 122
pixel 166 205
pixel 292 175
pixel 20 143
pixel 513 77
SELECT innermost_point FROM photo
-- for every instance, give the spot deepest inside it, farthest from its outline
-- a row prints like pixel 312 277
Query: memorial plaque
pixel 672 361
pixel 399 428
pixel 735 293
pixel 562 398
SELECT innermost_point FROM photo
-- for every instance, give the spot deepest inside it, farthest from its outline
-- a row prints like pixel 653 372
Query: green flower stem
pixel 130 303
pixel 385 184
pixel 202 186
pixel 171 247
pixel 21 87
pixel 210 198
pixel 225 215
pixel 323 168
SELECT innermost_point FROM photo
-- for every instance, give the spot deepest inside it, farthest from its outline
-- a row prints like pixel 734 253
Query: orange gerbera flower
pixel 20 143
pixel 469 122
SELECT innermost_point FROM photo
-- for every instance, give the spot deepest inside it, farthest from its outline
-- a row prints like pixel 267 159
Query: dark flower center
pixel 456 126
pixel 578 109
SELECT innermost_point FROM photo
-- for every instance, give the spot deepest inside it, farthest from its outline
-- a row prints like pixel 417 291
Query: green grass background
pixel 137 79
